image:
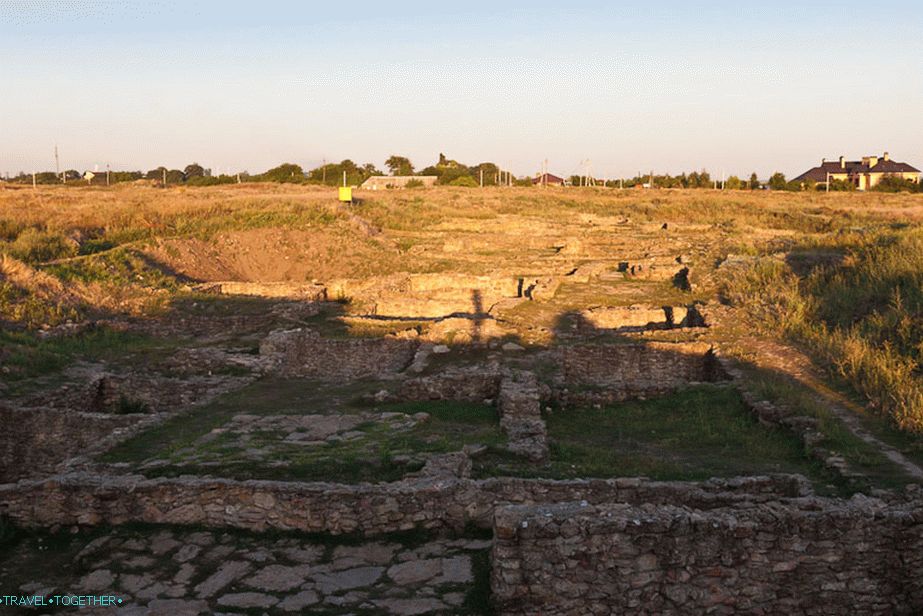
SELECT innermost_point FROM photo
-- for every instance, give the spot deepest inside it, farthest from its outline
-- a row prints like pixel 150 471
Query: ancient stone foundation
pixel 653 366
pixel 435 503
pixel 33 442
pixel 304 352
pixel 286 290
pixel 520 410
pixel 601 374
pixel 805 556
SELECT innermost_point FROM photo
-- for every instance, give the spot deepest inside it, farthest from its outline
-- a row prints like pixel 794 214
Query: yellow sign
pixel 346 193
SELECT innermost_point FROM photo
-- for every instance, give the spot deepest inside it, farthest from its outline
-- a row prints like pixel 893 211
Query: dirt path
pixel 790 361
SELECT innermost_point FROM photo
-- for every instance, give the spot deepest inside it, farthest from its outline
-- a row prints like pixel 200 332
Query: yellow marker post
pixel 346 194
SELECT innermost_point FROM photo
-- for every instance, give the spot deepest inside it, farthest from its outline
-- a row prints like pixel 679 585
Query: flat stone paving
pixel 188 572
pixel 257 437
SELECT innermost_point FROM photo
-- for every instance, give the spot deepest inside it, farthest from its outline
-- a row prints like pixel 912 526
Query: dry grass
pixel 846 310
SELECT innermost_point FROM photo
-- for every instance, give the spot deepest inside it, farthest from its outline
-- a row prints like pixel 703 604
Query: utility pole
pixel 344 179
pixel 33 181
pixel 238 177
pixel 107 174
pixel 57 164
pixel 828 181
pixel 652 178
pixel 164 177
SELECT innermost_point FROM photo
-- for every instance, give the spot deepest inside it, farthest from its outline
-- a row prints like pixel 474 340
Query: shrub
pixel 893 184
pixel 466 180
pixel 841 186
pixel 414 184
pixel 34 246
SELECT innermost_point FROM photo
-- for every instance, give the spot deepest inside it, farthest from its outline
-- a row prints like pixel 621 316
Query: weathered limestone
pixel 637 318
pixel 468 384
pixel 441 502
pixel 520 409
pixel 807 556
pixel 33 442
pixel 303 352
pixel 312 292
pixel 622 371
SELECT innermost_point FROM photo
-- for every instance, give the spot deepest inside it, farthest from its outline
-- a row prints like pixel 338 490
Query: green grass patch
pixel 29 355
pixel 122 266
pixel 694 434
pixel 381 454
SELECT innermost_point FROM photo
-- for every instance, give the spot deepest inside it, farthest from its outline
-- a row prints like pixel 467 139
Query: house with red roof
pixel 863 174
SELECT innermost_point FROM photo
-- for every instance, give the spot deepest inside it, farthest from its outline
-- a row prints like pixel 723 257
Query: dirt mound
pixel 272 255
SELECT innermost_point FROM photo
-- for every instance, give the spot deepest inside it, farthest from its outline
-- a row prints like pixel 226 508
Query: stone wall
pixel 807 556
pixel 468 384
pixel 33 442
pixel 630 369
pixel 520 408
pixel 303 352
pixel 311 292
pixel 640 318
pixel 427 502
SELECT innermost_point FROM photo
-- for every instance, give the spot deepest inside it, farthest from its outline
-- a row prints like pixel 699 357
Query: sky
pixel 732 87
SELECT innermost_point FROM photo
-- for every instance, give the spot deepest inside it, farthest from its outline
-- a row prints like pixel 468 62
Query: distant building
pixel 863 174
pixel 547 179
pixel 381 182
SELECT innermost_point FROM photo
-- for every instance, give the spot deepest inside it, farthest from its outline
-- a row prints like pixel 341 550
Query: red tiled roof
pixel 819 174
pixel 548 179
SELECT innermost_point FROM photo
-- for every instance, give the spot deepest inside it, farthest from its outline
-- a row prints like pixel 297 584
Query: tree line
pixel 447 172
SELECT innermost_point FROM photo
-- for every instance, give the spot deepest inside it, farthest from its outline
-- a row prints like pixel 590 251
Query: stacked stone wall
pixel 303 352
pixel 471 385
pixel 626 370
pixel 808 556
pixel 33 442
pixel 520 410
pixel 429 503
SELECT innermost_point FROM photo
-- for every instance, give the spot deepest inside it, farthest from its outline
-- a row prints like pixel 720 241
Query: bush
pixel 840 186
pixel 34 246
pixel 414 184
pixel 286 174
pixel 466 180
pixel 894 184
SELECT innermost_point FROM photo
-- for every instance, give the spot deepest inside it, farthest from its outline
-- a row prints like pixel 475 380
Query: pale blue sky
pixel 244 86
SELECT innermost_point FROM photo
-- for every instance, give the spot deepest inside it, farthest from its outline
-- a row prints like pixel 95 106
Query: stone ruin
pixel 755 545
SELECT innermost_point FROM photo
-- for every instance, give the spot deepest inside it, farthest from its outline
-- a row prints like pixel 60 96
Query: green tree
pixel 399 165
pixel 777 181
pixel 155 174
pixel 754 182
pixel 285 173
pixel 491 172
pixel 195 170
pixel 733 183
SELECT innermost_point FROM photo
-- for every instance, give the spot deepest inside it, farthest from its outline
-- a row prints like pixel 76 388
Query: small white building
pixel 381 182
